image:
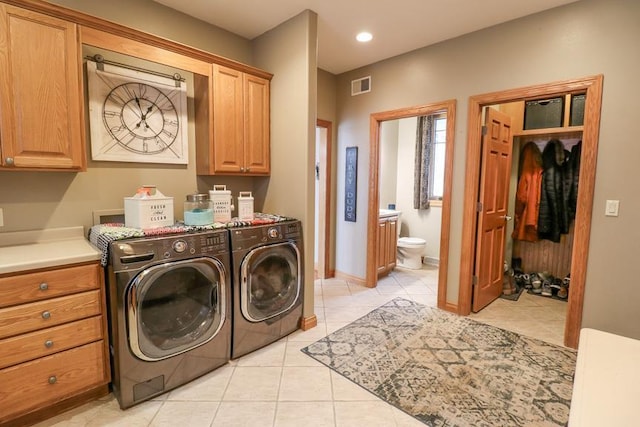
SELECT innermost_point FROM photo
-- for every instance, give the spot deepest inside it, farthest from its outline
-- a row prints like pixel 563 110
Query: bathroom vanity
pixel 387 240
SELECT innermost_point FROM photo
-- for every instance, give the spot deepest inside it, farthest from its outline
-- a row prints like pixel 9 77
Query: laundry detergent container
pixel 410 250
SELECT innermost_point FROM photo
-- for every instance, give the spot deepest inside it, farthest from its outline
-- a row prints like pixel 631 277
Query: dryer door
pixel 271 281
pixel 175 306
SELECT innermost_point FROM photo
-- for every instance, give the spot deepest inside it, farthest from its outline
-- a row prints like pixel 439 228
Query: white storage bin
pixel 245 206
pixel 221 199
pixel 149 208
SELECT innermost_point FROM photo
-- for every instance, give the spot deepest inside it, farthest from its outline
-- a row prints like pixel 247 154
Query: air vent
pixel 360 86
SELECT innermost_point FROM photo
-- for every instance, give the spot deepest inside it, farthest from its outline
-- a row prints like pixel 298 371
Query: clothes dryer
pixel 267 284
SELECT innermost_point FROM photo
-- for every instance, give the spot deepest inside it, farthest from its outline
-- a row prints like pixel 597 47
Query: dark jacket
pixel 553 216
pixel 574 164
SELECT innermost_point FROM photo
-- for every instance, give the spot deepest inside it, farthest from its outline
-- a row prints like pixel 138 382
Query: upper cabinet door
pixel 228 140
pixel 41 116
pixel 256 125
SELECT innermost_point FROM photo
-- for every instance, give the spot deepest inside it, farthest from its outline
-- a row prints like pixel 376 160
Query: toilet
pixel 410 250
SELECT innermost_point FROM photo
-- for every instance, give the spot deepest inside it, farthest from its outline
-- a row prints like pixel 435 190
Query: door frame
pixel 593 87
pixel 324 187
pixel 376 119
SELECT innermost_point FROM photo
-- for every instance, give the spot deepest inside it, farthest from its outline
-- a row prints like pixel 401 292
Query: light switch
pixel 612 208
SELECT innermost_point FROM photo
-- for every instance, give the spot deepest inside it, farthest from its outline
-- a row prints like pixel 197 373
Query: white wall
pixel 388 172
pixel 423 223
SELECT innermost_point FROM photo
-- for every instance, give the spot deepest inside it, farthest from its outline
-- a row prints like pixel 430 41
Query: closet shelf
pixel 569 130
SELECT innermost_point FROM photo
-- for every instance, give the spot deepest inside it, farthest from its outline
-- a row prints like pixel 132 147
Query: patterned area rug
pixel 448 370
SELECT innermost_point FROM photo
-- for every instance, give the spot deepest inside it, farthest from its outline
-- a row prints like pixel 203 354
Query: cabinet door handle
pixel 44 286
pixel 48 343
pixel 9 161
pixel 53 379
pixel 247 169
pixel 46 315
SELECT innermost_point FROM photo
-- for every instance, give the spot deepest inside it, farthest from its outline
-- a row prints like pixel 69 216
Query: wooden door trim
pixel 374 196
pixel 325 194
pixel 593 87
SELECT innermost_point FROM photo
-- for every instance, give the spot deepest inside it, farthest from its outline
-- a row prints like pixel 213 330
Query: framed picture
pixel 351 184
pixel 136 116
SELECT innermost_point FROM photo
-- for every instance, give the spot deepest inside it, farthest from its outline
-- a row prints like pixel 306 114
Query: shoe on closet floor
pixel 545 290
pixel 563 292
pixel 536 283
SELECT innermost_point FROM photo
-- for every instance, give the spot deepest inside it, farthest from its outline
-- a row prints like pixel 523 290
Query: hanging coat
pixel 574 164
pixel 528 194
pixel 553 217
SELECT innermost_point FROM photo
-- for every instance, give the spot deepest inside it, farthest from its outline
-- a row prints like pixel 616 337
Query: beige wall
pixel 289 52
pixel 582 39
pixel 326 92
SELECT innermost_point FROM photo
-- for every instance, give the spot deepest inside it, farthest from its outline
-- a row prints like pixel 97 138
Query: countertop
pixel 30 250
pixel 606 387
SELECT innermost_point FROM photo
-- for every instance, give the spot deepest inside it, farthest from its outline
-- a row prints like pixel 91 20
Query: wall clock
pixel 136 116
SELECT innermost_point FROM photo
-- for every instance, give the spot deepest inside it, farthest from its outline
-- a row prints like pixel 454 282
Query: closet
pixel 548 134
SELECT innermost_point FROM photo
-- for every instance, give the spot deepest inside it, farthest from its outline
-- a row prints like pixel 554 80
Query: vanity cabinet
pixel 54 350
pixel 387 244
pixel 41 92
pixel 233 138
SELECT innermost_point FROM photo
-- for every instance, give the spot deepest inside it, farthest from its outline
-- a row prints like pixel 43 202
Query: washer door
pixel 175 307
pixel 270 281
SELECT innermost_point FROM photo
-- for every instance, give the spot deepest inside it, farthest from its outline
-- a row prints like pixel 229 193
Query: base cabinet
pixel 53 341
pixel 387 245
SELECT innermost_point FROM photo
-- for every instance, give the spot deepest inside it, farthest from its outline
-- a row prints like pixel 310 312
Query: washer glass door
pixel 175 307
pixel 270 281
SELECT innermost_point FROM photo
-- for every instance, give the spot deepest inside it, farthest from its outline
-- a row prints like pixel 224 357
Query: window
pixel 436 168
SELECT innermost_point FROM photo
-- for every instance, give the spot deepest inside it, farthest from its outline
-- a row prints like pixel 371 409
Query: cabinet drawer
pixel 37 344
pixel 29 287
pixel 45 381
pixel 44 314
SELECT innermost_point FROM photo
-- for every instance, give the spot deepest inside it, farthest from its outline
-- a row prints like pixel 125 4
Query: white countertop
pixel 606 387
pixel 30 250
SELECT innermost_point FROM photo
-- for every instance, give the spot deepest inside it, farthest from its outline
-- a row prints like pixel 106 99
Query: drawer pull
pixel 48 343
pixel 52 379
pixel 46 315
pixel 44 286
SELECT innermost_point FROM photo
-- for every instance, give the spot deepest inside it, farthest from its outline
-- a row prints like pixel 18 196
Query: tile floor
pixel 280 386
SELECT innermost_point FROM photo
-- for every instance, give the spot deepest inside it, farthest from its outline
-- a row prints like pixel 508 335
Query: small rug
pixel 514 296
pixel 448 370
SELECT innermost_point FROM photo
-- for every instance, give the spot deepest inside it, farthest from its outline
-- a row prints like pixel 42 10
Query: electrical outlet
pixel 1 218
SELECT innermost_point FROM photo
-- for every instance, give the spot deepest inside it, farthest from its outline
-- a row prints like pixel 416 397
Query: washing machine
pixel 268 284
pixel 169 311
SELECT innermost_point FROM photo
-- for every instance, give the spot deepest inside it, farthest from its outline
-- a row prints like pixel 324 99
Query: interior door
pixel 495 169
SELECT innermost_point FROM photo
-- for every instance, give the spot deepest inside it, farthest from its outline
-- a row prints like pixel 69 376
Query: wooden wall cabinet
pixel 54 351
pixel 41 92
pixel 387 244
pixel 232 125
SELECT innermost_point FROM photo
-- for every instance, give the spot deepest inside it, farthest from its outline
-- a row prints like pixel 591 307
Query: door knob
pixel 506 217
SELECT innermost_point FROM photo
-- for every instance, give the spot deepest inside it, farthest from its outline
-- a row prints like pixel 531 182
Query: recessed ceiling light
pixel 364 37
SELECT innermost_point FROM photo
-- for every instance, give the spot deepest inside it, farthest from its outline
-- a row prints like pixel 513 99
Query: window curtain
pixel 424 152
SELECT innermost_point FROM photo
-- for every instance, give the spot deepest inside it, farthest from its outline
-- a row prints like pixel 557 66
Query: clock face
pixel 141 118
pixel 136 116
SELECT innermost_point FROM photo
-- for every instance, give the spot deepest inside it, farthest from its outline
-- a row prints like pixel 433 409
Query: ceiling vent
pixel 360 86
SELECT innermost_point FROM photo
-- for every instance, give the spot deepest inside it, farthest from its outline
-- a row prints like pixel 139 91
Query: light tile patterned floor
pixel 280 386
